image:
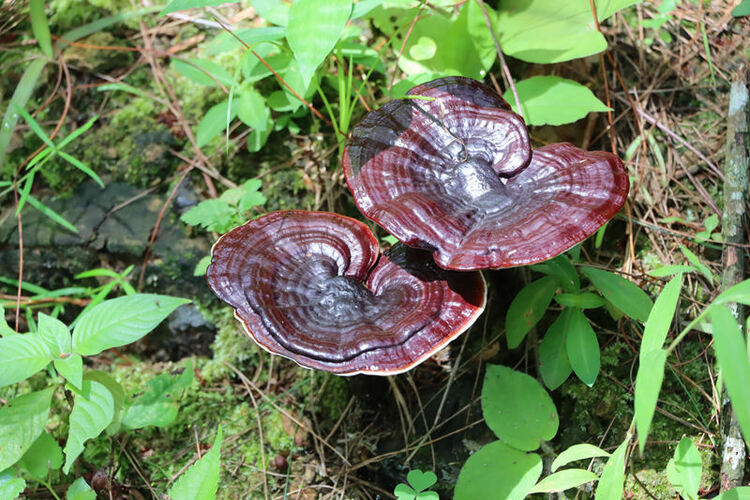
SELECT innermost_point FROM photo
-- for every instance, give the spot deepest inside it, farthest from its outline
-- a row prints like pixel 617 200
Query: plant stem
pixel 733 456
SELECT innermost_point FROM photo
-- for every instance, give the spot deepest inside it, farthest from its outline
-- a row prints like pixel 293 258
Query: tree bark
pixel 733 258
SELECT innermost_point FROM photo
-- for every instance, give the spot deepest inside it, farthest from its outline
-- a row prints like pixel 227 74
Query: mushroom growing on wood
pixel 450 170
pixel 312 286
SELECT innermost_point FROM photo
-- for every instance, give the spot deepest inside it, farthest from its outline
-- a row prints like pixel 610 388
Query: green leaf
pixel 202 266
pixel 214 214
pixel 273 11
pixel 582 347
pixel 660 319
pixel 226 42
pixel 500 471
pixel 118 396
pixel 563 480
pixel 214 122
pixel 517 408
pixel 584 300
pixel 695 261
pixel 71 368
pixel 313 30
pixel 252 109
pixel 740 493
pixel 198 70
pixel 731 353
pixel 554 365
pixel 561 268
pixel 551 100
pixel 55 334
pixel 623 294
pixel 21 422
pixel 21 356
pixel 121 321
pixel 158 405
pixel 59 219
pixel 43 455
pixel 5 330
pixel 40 27
pixel 662 271
pixel 404 492
pixel 176 5
pixel 201 480
pixel 738 293
pixel 612 479
pixel 743 9
pixel 80 490
pixel 647 387
pixel 548 31
pixel 577 452
pixel 684 470
pixel 20 96
pixel 93 410
pixel 10 487
pixel 421 480
pixel 527 309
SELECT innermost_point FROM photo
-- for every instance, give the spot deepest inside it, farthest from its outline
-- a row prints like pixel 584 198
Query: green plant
pixel 418 482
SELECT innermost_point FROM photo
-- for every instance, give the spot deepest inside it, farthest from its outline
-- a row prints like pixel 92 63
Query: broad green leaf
pixel 577 452
pixel 612 479
pixel 553 358
pixel 274 11
pixel 623 294
pixel 313 30
pixel 198 70
pixel 731 353
pixel 662 271
pixel 80 490
pixel 743 9
pixel 20 96
pixel 226 42
pixel 176 5
pixel 647 387
pixel 214 122
pixel 660 318
pixel 684 470
pixel 121 321
pixel 40 27
pixel 202 266
pixel 561 268
pixel 551 100
pixel 21 422
pixel 43 455
pixel 421 480
pixel 527 309
pixel 584 300
pixel 213 214
pixel 5 330
pixel 10 487
pixel 93 410
pixel 158 405
pixel 548 31
pixel 118 396
pixel 362 7
pixel 404 492
pixel 738 293
pixel 695 261
pixel 498 471
pixel 252 109
pixel 563 480
pixel 517 408
pixel 55 334
pixel 201 480
pixel 21 356
pixel 71 368
pixel 740 493
pixel 582 347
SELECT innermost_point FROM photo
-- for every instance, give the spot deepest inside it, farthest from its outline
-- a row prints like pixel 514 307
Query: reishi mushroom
pixel 312 286
pixel 450 170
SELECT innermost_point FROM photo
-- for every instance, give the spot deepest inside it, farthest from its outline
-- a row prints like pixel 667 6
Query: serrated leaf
pixel 93 410
pixel 176 5
pixel 121 321
pixel 731 353
pixel 517 408
pixel 118 396
pixel 80 490
pixel 313 30
pixel 577 452
pixel 10 486
pixel 214 214
pixel 198 70
pixel 201 480
pixel 623 294
pixel 564 480
pixel 71 368
pixel 214 122
pixel 551 100
pixel 527 309
pixel 582 347
pixel 21 356
pixel 55 334
pixel 684 469
pixel 159 404
pixel 612 479
pixel 252 109
pixel 498 469
pixel 21 422
pixel 553 359
pixel 647 387
pixel 585 300
pixel 43 455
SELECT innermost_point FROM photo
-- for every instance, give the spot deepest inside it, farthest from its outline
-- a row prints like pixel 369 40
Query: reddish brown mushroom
pixel 451 171
pixel 311 286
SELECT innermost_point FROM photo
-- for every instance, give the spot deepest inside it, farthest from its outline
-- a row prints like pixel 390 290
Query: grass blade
pixel 19 99
pixel 40 27
pixel 51 214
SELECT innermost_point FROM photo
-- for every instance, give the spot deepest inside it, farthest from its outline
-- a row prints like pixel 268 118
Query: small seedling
pixel 418 482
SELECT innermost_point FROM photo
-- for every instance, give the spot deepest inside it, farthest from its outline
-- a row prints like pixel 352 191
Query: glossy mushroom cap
pixel 311 286
pixel 451 171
